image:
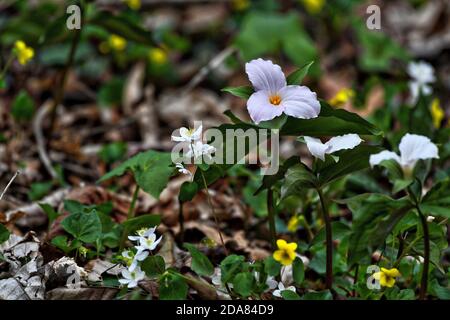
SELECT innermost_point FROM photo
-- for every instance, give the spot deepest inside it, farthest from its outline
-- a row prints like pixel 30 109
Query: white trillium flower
pixel 412 148
pixel 273 97
pixel 131 278
pixel 281 288
pixel 183 170
pixel 422 75
pixel 319 149
pixel 189 135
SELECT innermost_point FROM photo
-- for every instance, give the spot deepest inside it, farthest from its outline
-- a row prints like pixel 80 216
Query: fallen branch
pixel 40 140
pixel 9 183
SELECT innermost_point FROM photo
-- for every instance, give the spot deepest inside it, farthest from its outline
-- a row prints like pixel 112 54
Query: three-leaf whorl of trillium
pixel 273 97
pixel 319 149
pixel 412 148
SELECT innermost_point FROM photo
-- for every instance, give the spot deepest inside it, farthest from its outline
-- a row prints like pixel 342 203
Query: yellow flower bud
pixel 157 56
pixel 313 6
pixel 437 113
pixel 342 97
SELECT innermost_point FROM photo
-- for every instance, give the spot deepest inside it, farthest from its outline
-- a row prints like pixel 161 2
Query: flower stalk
pixel 130 215
pixel 271 216
pixel 213 212
pixel 426 255
pixel 328 241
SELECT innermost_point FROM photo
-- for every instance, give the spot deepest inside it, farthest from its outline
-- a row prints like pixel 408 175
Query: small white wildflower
pixel 131 278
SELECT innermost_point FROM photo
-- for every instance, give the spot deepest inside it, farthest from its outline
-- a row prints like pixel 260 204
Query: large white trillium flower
pixel 131 278
pixel 422 75
pixel 412 148
pixel 319 149
pixel 273 97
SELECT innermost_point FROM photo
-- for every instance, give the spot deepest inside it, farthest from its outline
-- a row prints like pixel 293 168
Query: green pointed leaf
pixel 84 226
pixel 290 295
pixel 296 77
pixel 243 283
pixel 153 266
pixel 242 92
pixel 297 179
pixel 349 161
pixel 151 169
pixel 49 211
pixel 298 271
pixel 271 266
pixel 200 263
pixel 188 191
pixel 172 287
pixel 4 233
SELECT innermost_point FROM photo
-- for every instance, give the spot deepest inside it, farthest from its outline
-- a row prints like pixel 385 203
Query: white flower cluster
pixel 196 148
pixel 147 242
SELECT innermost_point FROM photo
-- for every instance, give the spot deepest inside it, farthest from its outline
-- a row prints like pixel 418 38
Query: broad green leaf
pixel 349 161
pixel 113 152
pixel 22 108
pixel 243 283
pixel 4 233
pixel 84 226
pixel 110 93
pixel 151 169
pixel 270 180
pixel 297 179
pixel 153 266
pixel 74 206
pixel 439 291
pixel 188 191
pixel 242 92
pixel 374 216
pixel 172 287
pixel 298 271
pixel 49 211
pixel 230 266
pixel 331 122
pixel 296 77
pixel 290 295
pixel 271 266
pixel 339 230
pixel 200 263
pixel 437 200
pixel 39 189
pixel 63 243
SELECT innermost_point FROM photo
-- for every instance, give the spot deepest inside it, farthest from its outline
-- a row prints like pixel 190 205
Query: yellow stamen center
pixel 275 99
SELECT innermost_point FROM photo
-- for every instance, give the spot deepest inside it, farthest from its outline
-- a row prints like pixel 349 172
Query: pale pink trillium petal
pixel 273 97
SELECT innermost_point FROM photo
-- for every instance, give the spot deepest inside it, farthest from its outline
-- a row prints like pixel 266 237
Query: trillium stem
pixel 271 216
pixel 328 241
pixel 181 220
pixel 59 95
pixel 213 212
pixel 426 255
pixel 130 215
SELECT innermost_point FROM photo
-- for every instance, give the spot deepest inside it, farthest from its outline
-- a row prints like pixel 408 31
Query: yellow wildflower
pixel 387 277
pixel 157 56
pixel 240 5
pixel 133 4
pixel 437 113
pixel 22 52
pixel 313 6
pixel 342 97
pixel 293 224
pixel 285 253
pixel 117 43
